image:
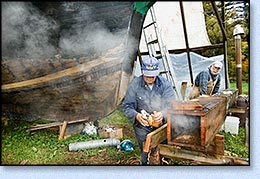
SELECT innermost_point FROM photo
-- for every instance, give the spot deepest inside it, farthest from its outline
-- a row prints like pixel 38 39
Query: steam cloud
pixel 86 35
pixel 185 125
pixel 27 32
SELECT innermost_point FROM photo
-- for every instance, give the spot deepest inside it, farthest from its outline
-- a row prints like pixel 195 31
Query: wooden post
pixel 238 63
pixel 216 147
pixel 63 130
pixel 247 136
pixel 154 156
pixel 184 85
pixel 237 32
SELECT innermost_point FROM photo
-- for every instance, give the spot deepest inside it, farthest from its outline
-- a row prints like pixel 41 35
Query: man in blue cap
pixel 151 93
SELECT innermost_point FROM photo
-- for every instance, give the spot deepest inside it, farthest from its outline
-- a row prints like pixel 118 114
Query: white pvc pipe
pixel 93 144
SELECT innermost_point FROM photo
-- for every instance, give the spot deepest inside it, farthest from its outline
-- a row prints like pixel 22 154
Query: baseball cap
pixel 217 64
pixel 150 66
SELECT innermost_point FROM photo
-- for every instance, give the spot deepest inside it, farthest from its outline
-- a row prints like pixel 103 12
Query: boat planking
pixel 70 85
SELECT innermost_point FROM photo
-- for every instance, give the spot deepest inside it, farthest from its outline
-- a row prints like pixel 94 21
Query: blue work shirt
pixel 139 96
pixel 202 81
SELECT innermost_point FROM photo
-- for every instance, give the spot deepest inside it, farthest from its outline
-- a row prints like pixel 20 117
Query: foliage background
pixel 215 36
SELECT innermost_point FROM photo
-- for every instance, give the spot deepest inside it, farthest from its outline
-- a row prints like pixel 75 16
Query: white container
pixel 231 124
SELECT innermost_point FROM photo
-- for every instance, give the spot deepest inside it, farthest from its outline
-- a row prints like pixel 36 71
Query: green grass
pixel 39 147
pixel 245 87
pixel 115 118
pixel 43 148
pixel 235 144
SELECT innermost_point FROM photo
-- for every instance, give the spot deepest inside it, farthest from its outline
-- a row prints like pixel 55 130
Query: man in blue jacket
pixel 207 82
pixel 148 92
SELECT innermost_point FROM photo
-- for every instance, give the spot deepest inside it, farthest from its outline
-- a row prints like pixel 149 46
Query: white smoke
pixel 86 41
pixel 25 32
pixel 185 125
pixel 86 35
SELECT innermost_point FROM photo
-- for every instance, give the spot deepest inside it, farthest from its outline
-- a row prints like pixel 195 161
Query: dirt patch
pixel 102 158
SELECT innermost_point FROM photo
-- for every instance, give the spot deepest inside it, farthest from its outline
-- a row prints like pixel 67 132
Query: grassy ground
pixel 43 148
pixel 245 87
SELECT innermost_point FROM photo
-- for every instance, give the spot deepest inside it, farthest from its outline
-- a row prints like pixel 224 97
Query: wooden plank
pixel 239 110
pixel 215 119
pixel 202 130
pixel 199 157
pixel 169 124
pixel 155 138
pixel 71 72
pixel 46 125
pixel 188 112
pixel 193 156
pixel 54 124
pixel 235 160
pixel 186 105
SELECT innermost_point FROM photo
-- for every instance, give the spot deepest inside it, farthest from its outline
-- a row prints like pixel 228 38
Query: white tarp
pixel 199 63
pixel 181 68
pixel 169 20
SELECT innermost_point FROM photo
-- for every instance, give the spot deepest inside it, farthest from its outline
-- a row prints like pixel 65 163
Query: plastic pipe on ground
pixel 93 144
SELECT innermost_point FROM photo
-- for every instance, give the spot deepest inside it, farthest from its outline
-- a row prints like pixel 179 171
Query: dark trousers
pixel 140 134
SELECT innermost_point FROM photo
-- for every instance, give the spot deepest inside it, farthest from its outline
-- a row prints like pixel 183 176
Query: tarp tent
pixel 169 20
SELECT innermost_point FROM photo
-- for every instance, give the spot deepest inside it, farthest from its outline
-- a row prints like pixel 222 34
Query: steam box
pixel 195 123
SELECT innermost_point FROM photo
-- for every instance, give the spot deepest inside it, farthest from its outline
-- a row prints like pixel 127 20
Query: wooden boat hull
pixel 70 93
pixel 69 87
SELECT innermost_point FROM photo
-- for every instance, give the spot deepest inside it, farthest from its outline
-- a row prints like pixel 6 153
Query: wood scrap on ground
pixel 63 130
pixel 54 124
